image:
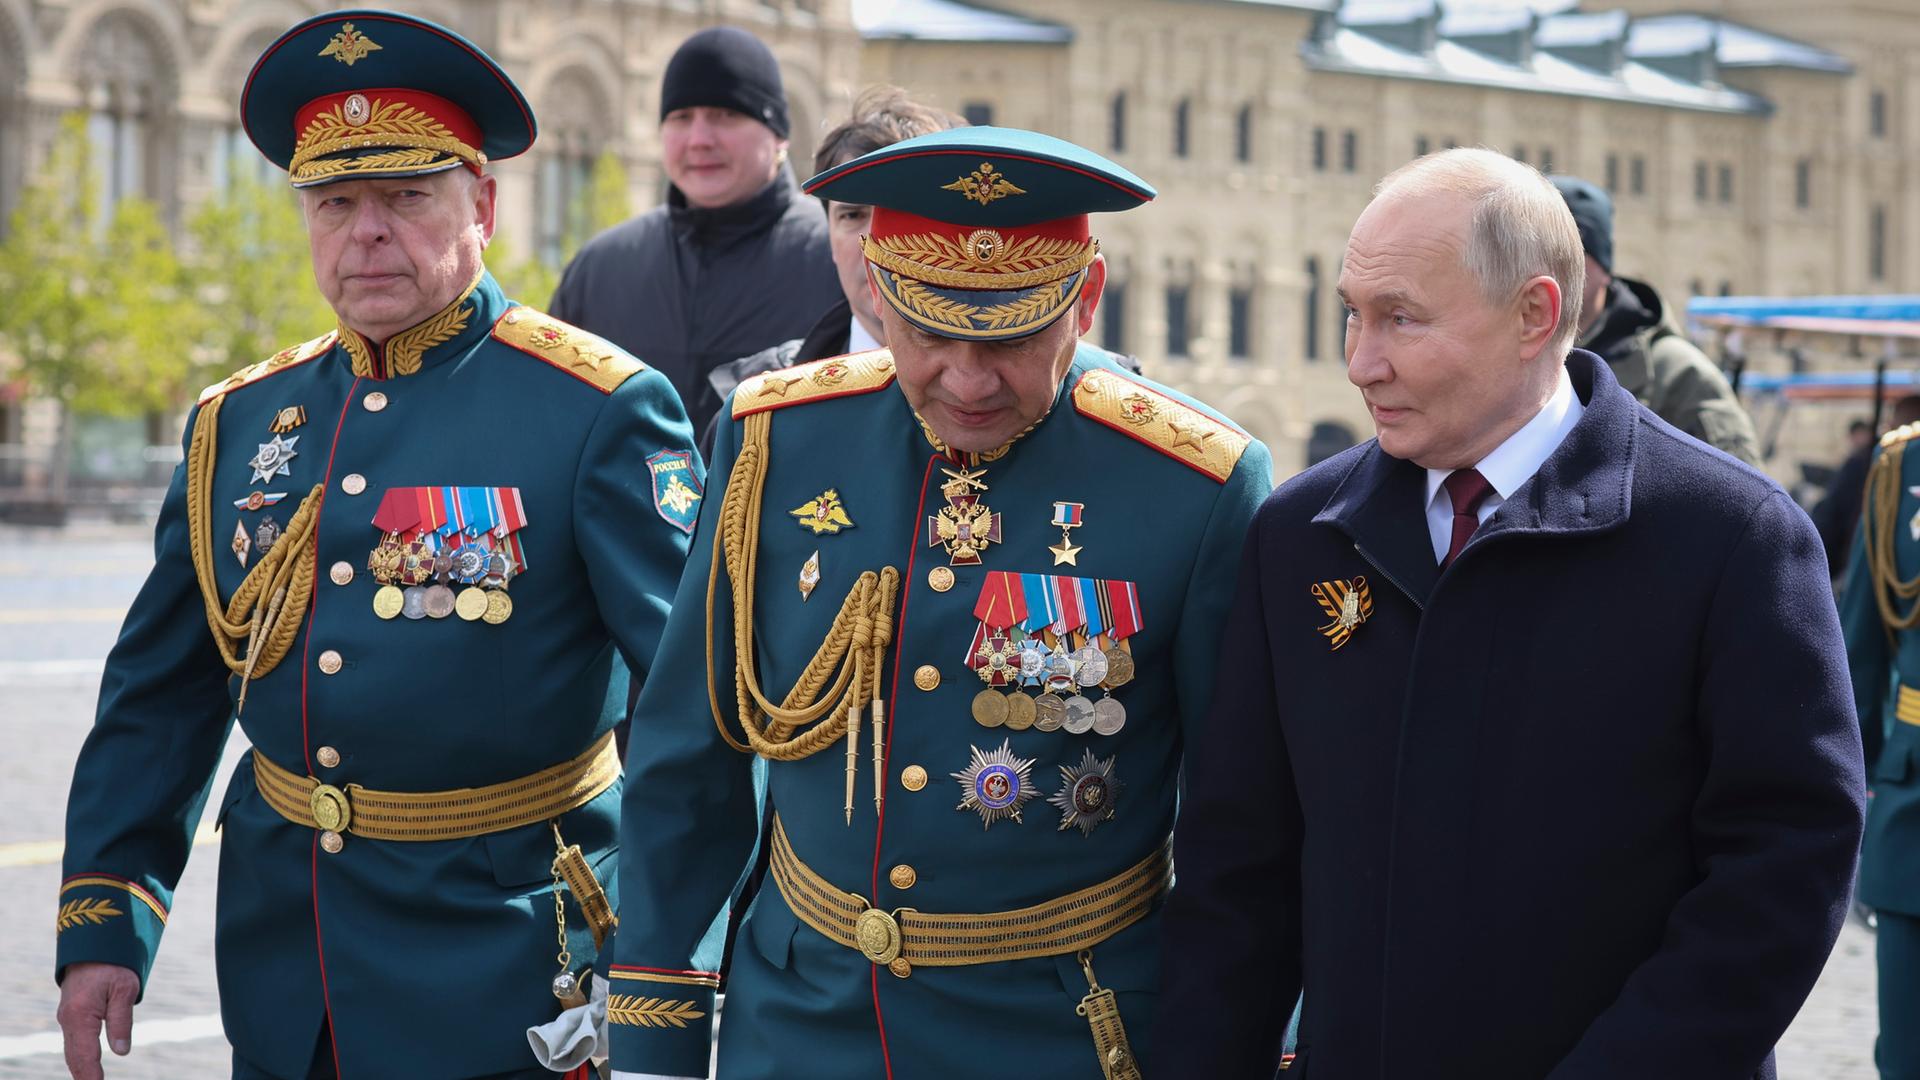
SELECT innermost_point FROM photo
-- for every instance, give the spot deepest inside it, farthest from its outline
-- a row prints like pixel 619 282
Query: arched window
pixel 1183 128
pixel 234 157
pixel 1117 123
pixel 573 134
pixel 1313 309
pixel 1243 134
pixel 1113 316
pixel 1179 320
pixel 125 90
pixel 1240 321
pixel 1328 438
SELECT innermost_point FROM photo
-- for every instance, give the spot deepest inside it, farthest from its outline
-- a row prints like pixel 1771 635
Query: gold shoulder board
pixel 591 359
pixel 280 361
pixel 1162 421
pixel 839 376
pixel 1900 434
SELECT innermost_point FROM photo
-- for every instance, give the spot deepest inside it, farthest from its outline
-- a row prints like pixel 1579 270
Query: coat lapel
pixel 1381 505
pixel 1584 486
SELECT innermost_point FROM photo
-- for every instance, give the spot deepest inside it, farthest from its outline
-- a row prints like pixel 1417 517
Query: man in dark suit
pixel 1532 751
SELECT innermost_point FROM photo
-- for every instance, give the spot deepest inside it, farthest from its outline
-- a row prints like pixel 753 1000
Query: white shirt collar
pixel 858 340
pixel 1514 461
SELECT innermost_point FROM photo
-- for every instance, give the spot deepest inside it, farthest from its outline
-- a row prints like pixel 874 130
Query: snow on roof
pixel 1738 46
pixel 1355 51
pixel 951 20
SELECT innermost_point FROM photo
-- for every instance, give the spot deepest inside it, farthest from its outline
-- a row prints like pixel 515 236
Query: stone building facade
pixel 1756 146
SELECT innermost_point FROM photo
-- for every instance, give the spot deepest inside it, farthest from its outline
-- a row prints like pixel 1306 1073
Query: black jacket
pixel 686 289
pixel 1582 806
pixel 828 337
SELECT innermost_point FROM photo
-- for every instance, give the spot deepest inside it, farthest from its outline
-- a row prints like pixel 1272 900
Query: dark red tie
pixel 1468 489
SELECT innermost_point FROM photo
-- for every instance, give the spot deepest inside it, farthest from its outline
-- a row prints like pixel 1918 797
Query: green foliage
pixel 144 293
pixel 605 199
pixel 252 276
pixel 117 316
pixel 51 322
pixel 110 318
pixel 599 206
pixel 527 280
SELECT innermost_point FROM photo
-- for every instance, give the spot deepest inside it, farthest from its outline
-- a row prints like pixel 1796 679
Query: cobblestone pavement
pixel 61 599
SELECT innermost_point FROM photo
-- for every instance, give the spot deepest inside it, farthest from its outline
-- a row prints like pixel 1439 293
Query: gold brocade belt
pixel 1906 707
pixel 438 815
pixel 906 938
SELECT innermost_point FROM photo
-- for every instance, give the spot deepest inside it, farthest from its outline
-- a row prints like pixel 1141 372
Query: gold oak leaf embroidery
pixel 84 912
pixel 636 1011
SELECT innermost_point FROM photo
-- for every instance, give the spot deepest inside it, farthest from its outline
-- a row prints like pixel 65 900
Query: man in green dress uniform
pixel 1879 613
pixel 963 598
pixel 403 555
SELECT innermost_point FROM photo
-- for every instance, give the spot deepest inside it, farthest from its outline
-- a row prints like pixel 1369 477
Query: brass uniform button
pixel 899 966
pixel 913 778
pixel 329 662
pixel 327 756
pixel 940 579
pixel 341 572
pixel 353 483
pixel 902 876
pixel 926 676
pixel 330 842
pixel 374 401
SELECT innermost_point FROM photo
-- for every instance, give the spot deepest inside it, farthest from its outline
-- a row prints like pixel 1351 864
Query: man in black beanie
pixel 1628 324
pixel 737 259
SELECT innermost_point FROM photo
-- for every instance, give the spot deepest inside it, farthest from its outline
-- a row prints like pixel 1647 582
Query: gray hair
pixel 1521 228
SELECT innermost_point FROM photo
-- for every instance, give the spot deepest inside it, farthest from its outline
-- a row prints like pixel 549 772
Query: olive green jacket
pixel 1642 343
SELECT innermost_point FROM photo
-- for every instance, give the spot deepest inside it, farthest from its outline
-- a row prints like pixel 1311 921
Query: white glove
pixel 577 1034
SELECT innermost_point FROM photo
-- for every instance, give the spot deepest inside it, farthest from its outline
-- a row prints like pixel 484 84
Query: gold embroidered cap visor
pixel 981 233
pixel 977 314
pixel 365 94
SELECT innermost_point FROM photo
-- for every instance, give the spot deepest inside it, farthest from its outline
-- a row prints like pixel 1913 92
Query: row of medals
pixel 1061 675
pixel 469 565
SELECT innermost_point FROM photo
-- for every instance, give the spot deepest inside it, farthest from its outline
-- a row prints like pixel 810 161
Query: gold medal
pixel 387 601
pixel 1119 667
pixel 1020 711
pixel 1050 712
pixel 471 603
pixel 499 608
pixel 990 708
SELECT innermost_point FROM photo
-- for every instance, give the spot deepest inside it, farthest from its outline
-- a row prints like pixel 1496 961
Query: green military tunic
pixel 1878 616
pixel 431 958
pixel 947 815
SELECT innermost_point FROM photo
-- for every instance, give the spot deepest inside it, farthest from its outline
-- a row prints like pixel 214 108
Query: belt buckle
pixel 331 810
pixel 877 935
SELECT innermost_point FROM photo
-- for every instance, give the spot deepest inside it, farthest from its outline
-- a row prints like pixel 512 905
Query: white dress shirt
pixel 858 340
pixel 1511 464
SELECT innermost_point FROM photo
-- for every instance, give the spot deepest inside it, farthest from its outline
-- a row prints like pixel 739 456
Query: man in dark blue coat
pixel 1532 752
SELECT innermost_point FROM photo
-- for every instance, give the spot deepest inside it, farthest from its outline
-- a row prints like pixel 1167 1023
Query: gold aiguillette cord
pixel 271 602
pixel 844 674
